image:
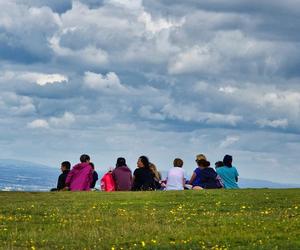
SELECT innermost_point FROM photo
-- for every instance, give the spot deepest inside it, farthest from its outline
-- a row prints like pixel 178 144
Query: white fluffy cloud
pixel 106 83
pixel 229 140
pixel 54 122
pixel 33 77
pixel 38 123
pixel 190 113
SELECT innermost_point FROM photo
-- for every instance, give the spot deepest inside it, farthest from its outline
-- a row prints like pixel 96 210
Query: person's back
pixel 144 179
pixel 204 176
pixel 175 178
pixel 208 178
pixel 228 176
pixel 81 175
pixel 61 183
pixel 123 178
pixel 228 173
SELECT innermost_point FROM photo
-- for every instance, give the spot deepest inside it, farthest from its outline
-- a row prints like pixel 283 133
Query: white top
pixel 175 179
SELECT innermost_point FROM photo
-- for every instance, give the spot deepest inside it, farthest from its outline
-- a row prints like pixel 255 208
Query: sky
pixel 164 79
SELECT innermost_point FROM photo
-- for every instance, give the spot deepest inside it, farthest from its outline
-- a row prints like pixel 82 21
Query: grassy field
pixel 210 219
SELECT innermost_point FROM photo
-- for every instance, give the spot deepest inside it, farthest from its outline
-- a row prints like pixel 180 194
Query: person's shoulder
pixel 220 169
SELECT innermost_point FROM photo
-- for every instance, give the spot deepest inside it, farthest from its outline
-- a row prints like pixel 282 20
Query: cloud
pixel 107 83
pixel 147 112
pixel 33 77
pixel 89 55
pixel 54 122
pixel 190 113
pixel 38 123
pixel 14 105
pixel 23 39
pixel 229 140
pixel 281 123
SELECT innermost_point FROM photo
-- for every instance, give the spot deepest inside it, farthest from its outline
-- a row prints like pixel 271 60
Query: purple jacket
pixel 123 178
pixel 80 177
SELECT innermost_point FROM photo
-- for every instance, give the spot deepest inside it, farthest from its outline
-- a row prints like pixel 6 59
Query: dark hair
pixel 66 164
pixel 145 161
pixel 219 164
pixel 203 163
pixel 178 162
pixel 121 162
pixel 84 158
pixel 227 160
pixel 92 165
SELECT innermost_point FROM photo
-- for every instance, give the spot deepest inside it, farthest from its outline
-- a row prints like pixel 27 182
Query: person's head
pixel 92 165
pixel 219 164
pixel 121 162
pixel 65 165
pixel 85 158
pixel 201 161
pixel 178 163
pixel 227 160
pixel 143 162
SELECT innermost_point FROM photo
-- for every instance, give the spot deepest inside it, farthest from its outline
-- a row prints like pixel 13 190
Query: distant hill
pixel 27 176
pixel 22 175
pixel 252 183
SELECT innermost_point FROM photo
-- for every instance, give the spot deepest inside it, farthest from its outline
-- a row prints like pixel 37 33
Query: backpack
pixel 108 183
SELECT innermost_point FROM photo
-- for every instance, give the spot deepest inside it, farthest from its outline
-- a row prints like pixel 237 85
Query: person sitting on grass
pixel 61 182
pixel 107 181
pixel 156 176
pixel 122 175
pixel 228 173
pixel 175 178
pixel 143 178
pixel 204 177
pixel 80 177
pixel 95 176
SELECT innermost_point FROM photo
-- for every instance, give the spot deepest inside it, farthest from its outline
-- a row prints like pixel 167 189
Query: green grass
pixel 208 219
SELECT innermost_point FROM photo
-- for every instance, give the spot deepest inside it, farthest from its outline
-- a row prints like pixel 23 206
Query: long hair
pixel 121 162
pixel 145 161
pixel 154 171
pixel 227 160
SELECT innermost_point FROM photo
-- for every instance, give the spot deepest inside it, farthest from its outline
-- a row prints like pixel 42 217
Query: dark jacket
pixel 123 178
pixel 95 179
pixel 61 182
pixel 208 178
pixel 143 179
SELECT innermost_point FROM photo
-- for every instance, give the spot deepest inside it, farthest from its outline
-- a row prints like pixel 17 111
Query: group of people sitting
pixel 83 176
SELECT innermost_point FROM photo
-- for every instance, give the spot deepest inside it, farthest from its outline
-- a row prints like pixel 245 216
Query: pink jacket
pixel 107 182
pixel 80 177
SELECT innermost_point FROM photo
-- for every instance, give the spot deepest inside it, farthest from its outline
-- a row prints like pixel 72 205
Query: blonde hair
pixel 154 171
